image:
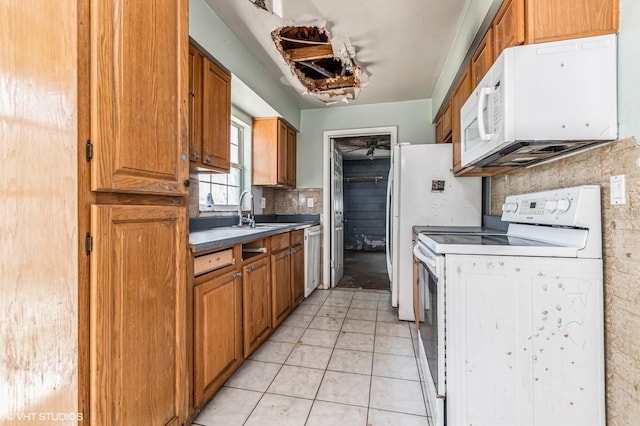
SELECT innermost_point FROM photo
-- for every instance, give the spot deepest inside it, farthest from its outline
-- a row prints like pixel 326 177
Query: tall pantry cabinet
pixel 133 192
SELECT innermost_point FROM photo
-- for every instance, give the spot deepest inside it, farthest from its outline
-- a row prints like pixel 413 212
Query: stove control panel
pixel 572 206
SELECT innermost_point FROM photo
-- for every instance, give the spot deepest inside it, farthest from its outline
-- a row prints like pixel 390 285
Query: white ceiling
pixel 402 44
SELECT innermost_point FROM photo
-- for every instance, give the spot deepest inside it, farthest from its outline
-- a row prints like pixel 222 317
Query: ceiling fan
pixel 368 143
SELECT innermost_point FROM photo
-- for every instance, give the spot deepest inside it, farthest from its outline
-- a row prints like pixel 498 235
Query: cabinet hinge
pixel 89 150
pixel 88 244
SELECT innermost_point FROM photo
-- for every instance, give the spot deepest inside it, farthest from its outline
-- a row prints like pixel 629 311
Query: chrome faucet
pixel 250 219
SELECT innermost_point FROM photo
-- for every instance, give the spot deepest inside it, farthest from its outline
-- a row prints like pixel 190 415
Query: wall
pixel 411 117
pixel 216 38
pixel 628 65
pixel 38 212
pixel 365 205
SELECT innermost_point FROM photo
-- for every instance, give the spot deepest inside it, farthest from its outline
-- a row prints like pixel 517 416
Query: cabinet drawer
pixel 211 261
pixel 297 237
pixel 280 241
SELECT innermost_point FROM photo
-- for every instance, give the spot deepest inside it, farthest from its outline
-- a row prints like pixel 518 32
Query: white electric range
pixel 511 324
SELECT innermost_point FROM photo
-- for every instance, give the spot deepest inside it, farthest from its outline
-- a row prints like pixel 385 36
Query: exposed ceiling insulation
pixel 326 75
pixel 402 46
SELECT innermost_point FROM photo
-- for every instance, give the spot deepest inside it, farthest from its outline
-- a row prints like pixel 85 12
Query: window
pixel 222 191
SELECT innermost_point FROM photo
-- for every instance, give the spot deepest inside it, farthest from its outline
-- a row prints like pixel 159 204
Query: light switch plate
pixel 618 190
pixel 309 202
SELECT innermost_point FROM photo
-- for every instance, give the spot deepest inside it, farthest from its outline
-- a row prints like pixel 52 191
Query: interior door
pixel 337 212
pixel 389 224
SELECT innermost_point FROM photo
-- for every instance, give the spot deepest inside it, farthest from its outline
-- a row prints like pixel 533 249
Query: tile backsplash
pixel 292 201
pixel 621 257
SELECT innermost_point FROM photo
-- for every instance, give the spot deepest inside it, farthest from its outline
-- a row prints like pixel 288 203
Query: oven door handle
pixel 428 262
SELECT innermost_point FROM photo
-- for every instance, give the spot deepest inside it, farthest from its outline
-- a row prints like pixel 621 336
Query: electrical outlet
pixel 309 202
pixel 263 202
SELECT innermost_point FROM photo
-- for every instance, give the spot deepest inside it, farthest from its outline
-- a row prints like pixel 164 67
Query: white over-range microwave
pixel 542 100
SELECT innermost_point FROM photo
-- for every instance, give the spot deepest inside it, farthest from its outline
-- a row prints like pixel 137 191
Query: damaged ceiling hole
pixel 329 76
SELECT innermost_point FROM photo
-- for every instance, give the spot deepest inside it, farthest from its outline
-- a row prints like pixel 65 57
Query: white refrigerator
pixel 422 191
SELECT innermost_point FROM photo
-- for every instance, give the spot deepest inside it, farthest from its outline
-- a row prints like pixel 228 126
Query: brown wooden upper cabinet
pixel 482 59
pixel 274 153
pixel 138 98
pixel 443 126
pixel 209 114
pixel 549 20
pixel 460 95
pixel 508 26
pixel 515 23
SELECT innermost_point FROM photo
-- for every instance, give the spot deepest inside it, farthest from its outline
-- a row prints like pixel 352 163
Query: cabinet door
pixel 139 86
pixel 257 304
pixel 265 151
pixel 281 286
pixel 195 104
pixel 549 20
pixel 439 137
pixel 216 117
pixel 283 176
pixel 446 125
pixel 508 26
pixel 217 333
pixel 291 157
pixel 137 322
pixel 482 59
pixel 460 96
pixel 297 274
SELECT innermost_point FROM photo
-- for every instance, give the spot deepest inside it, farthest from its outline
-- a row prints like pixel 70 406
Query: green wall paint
pixel 411 117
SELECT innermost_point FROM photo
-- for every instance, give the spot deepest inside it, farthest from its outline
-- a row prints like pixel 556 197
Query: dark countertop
pixel 228 235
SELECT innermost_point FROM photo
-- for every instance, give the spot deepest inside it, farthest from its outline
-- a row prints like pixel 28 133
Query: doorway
pixel 356 168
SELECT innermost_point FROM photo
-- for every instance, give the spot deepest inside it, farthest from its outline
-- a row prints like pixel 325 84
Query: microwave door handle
pixel 485 92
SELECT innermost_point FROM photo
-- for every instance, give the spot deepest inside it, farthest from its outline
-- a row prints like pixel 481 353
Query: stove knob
pixel 509 207
pixel 550 206
pixel 564 204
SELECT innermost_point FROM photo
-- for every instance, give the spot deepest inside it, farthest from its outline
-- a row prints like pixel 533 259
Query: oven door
pixel 429 282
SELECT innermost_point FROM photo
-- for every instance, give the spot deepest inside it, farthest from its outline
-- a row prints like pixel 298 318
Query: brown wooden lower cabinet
pixel 281 285
pixel 218 346
pixel 236 308
pixel 257 303
pixel 138 300
pixel 297 274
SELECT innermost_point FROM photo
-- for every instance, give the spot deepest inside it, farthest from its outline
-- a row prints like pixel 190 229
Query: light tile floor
pixel 341 358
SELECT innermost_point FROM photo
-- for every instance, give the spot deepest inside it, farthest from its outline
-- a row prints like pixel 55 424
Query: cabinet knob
pixel 207 159
pixel 186 183
pixel 196 156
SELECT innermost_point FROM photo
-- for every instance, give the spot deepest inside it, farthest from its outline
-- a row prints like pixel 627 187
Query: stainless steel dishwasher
pixel 312 237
